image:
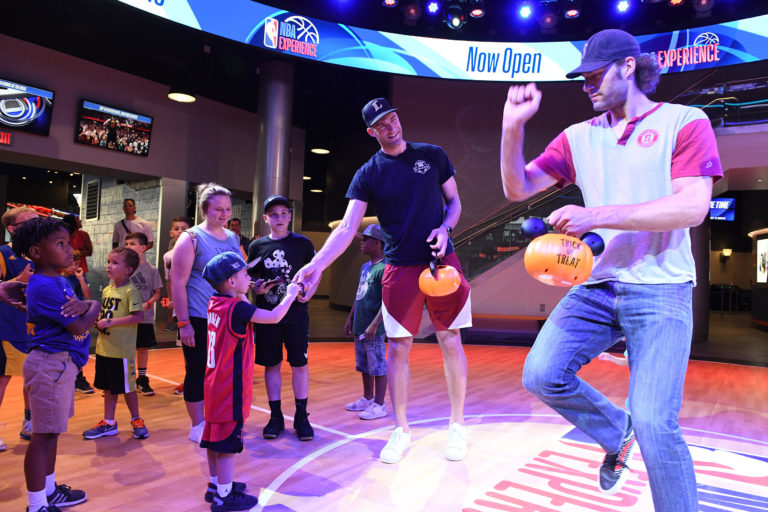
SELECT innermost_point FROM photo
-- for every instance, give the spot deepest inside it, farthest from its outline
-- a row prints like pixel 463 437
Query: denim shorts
pixel 371 356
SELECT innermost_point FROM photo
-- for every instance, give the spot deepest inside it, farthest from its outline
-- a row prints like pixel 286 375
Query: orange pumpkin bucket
pixel 439 280
pixel 558 260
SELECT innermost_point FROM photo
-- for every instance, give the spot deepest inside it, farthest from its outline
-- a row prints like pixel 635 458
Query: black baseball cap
pixel 605 47
pixel 274 200
pixel 375 110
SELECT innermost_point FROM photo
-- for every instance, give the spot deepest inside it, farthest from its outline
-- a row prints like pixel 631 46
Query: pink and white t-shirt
pixel 669 141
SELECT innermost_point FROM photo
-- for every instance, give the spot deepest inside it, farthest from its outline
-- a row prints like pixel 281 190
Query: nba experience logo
pixel 295 34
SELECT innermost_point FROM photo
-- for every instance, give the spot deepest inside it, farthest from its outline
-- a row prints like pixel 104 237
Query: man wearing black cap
pixel 413 191
pixel 282 253
pixel 645 170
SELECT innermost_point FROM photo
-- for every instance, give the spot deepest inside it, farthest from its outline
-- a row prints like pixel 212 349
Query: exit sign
pixel 6 138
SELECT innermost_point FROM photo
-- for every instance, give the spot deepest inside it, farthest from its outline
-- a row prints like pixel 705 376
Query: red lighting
pixel 675 3
pixel 389 3
pixel 477 13
pixel 572 13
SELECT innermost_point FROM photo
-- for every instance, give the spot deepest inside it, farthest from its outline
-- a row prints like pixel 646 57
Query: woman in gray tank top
pixel 194 248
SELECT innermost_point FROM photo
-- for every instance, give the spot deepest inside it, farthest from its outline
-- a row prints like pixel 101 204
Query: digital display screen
pixel 722 208
pixel 762 260
pixel 25 108
pixel 113 128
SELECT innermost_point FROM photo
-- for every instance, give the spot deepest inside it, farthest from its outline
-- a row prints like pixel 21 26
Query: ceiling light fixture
pixel 455 17
pixel 320 151
pixel 181 95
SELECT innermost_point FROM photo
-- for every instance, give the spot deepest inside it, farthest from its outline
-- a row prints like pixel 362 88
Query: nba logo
pixel 270 32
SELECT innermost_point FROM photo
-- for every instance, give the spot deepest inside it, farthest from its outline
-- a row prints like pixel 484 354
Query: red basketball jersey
pixel 229 372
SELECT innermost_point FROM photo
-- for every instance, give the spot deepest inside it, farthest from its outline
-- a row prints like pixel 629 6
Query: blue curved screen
pixel 289 33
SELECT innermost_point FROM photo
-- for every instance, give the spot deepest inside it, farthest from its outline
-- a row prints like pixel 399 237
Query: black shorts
pixel 145 336
pixel 115 375
pixel 195 359
pixel 214 437
pixel 293 332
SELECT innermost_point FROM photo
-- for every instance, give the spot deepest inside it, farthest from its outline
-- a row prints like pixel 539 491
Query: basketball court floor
pixel 522 456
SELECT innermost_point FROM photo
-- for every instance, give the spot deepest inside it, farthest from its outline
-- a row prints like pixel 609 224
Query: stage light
pixel 571 9
pixel 548 20
pixel 389 3
pixel 476 8
pixel 525 11
pixel 675 3
pixel 454 16
pixel 433 7
pixel 703 7
pixel 412 12
pixel 623 6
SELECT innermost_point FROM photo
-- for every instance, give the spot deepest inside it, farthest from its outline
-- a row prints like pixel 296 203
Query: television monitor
pixel 722 208
pixel 113 128
pixel 762 260
pixel 25 108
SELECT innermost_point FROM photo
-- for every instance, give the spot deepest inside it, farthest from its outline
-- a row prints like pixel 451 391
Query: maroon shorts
pixel 403 301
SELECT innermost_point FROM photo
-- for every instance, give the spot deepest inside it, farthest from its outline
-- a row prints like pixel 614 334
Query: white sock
pixel 224 489
pixel 110 422
pixel 37 500
pixel 50 483
pixel 215 480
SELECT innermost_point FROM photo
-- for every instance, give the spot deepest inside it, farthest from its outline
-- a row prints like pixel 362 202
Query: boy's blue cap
pixel 223 266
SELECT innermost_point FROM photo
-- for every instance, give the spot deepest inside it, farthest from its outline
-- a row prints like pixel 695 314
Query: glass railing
pixel 497 237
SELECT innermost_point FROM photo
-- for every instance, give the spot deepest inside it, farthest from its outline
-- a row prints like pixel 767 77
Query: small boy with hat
pixel 365 325
pixel 229 373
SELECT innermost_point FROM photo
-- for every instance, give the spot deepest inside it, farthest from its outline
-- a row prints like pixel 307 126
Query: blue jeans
pixel 657 322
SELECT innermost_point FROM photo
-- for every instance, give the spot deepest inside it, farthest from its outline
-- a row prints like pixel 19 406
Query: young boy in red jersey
pixel 229 375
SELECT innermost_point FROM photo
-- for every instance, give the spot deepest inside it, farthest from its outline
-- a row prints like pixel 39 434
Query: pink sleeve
pixel 695 152
pixel 557 161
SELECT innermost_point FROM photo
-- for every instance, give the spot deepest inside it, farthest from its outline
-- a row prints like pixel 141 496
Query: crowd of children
pixel 60 312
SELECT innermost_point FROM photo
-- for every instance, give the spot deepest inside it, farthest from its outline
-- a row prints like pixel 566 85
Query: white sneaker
pixel 456 449
pixel 398 442
pixel 3 447
pixel 373 411
pixel 360 404
pixel 196 432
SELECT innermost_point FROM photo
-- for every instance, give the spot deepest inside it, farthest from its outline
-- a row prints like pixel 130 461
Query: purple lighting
pixel 433 7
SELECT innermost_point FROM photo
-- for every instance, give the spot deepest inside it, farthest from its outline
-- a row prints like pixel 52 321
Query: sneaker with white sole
pixel 456 449
pixel 211 491
pixel 101 429
pixel 398 442
pixel 373 411
pixel 233 501
pixel 614 470
pixel 65 496
pixel 196 432
pixel 360 404
pixel 26 429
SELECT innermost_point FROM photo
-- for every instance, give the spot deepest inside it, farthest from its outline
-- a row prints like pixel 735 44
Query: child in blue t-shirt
pixel 58 341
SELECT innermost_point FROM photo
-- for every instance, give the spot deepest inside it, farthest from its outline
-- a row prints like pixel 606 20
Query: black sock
pixel 27 414
pixel 274 407
pixel 301 406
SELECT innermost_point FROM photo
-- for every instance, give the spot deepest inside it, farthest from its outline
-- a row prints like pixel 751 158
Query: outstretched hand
pixel 521 105
pixel 12 292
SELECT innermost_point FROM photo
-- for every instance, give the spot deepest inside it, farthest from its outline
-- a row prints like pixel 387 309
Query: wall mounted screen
pixel 112 128
pixel 289 33
pixel 722 208
pixel 25 108
pixel 762 260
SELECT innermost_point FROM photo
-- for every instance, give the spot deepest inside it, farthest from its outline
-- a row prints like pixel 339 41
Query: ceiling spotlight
pixel 675 3
pixel 525 10
pixel 319 151
pixel 548 20
pixel 316 190
pixel 476 8
pixel 703 7
pixel 571 9
pixel 307 178
pixel 412 12
pixel 433 7
pixel 622 6
pixel 389 3
pixel 454 16
pixel 181 95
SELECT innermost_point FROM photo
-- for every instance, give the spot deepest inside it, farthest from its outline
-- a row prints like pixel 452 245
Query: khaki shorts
pixel 50 381
pixel 12 360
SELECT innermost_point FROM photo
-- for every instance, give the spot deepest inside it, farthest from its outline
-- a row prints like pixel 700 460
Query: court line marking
pixel 269 491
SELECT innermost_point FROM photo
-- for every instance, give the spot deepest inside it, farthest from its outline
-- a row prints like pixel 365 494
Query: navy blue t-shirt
pixel 45 296
pixel 405 191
